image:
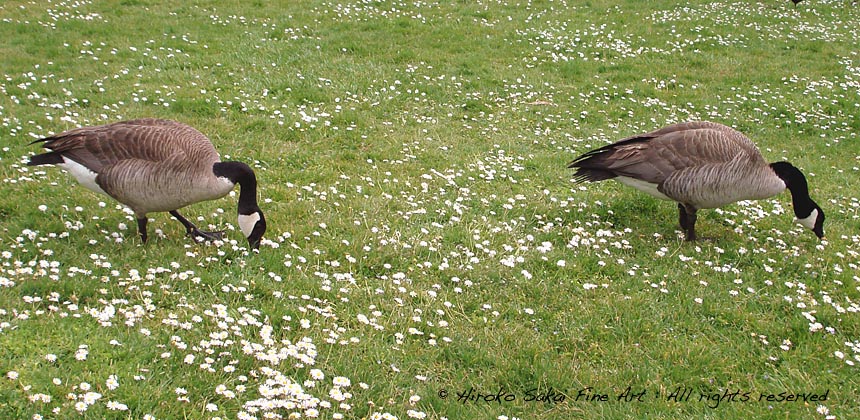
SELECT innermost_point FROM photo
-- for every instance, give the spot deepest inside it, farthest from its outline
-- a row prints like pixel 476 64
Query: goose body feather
pixel 698 164
pixel 150 165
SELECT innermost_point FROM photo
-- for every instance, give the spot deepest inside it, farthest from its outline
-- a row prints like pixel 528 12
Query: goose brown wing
pixel 647 157
pixel 715 142
pixel 654 156
pixel 144 139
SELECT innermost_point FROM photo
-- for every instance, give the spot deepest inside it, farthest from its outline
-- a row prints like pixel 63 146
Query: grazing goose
pixel 701 165
pixel 153 165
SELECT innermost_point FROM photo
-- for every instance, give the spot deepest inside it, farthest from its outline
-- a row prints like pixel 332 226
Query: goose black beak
pixel 819 232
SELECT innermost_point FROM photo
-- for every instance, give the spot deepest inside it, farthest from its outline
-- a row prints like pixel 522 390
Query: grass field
pixel 428 255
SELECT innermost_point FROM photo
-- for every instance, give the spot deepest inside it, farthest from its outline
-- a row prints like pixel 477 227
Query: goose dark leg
pixel 682 217
pixel 687 220
pixel 193 231
pixel 691 230
pixel 141 228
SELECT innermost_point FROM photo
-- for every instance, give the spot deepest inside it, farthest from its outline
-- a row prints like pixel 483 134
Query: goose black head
pixel 809 214
pixel 251 219
pixel 814 221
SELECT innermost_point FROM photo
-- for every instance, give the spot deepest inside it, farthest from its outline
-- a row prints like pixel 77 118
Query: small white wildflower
pixel 90 398
pixel 116 406
pixel 112 383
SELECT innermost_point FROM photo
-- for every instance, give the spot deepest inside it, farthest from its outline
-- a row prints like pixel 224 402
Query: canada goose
pixel 153 165
pixel 701 165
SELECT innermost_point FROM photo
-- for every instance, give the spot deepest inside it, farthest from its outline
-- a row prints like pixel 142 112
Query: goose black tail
pixel 50 158
pixel 590 167
pixel 591 175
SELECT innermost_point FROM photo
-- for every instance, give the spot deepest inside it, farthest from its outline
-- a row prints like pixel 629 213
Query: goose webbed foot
pixel 206 236
pixel 195 233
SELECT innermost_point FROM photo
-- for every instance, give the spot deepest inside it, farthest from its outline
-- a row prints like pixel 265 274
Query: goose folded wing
pixel 642 161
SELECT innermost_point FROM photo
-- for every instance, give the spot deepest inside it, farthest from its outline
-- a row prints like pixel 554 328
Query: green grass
pixel 424 234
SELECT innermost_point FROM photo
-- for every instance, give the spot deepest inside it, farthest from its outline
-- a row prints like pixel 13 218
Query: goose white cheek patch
pixel 809 221
pixel 247 222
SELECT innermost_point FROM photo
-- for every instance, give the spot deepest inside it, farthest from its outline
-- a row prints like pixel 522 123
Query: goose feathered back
pixel 154 165
pixel 150 165
pixel 701 163
pixel 698 164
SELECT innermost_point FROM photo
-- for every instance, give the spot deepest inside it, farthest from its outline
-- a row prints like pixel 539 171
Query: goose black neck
pixel 796 183
pixel 242 174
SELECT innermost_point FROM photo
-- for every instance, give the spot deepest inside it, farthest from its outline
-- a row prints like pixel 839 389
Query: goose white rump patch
pixel 809 221
pixel 646 187
pixel 84 175
pixel 247 222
